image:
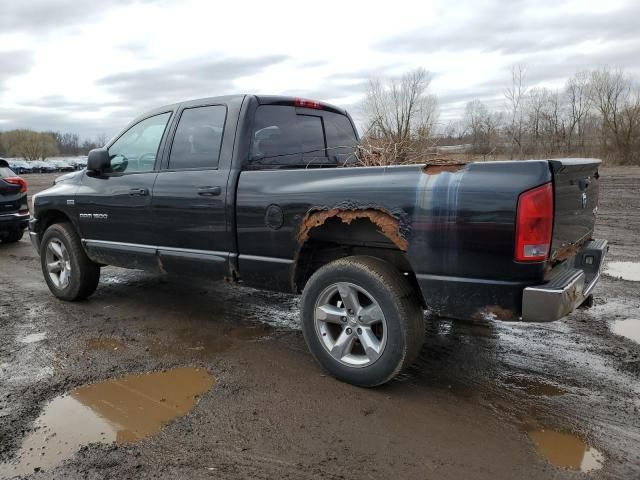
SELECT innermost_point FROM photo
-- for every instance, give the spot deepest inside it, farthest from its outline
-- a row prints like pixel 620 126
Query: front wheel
pixel 361 320
pixel 67 270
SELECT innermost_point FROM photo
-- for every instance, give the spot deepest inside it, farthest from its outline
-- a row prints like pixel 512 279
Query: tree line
pixel 595 114
pixel 31 145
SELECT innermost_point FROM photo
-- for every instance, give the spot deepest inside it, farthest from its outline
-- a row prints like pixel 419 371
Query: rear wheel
pixel 361 320
pixel 14 235
pixel 67 270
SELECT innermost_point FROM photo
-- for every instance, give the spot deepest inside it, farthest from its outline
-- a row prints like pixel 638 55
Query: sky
pixel 91 67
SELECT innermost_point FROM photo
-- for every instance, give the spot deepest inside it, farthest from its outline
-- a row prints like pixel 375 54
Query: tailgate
pixel 575 183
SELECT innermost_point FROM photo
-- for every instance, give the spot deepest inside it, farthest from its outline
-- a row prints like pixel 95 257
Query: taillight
pixel 17 181
pixel 304 103
pixel 534 223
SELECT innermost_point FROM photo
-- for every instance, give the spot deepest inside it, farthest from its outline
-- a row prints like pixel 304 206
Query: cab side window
pixel 198 138
pixel 137 148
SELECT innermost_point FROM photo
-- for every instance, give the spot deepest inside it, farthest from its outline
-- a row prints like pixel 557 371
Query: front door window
pixel 136 149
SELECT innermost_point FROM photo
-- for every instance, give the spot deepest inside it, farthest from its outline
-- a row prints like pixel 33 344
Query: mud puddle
pixel 566 450
pixel 629 328
pixel 536 388
pixel 624 270
pixel 122 410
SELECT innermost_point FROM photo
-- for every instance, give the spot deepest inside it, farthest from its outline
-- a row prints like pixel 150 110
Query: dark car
pixel 61 165
pixel 261 190
pixel 78 163
pixel 20 166
pixel 44 166
pixel 14 211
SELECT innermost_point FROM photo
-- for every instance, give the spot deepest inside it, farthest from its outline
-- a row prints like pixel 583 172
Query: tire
pixel 13 236
pixel 60 244
pixel 385 307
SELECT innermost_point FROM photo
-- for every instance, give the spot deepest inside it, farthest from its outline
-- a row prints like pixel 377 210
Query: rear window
pixel 288 136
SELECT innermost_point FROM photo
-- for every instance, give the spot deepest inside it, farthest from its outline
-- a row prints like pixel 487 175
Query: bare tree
pixel 101 140
pixel 535 102
pixel 578 106
pixel 514 96
pixel 617 100
pixel 483 127
pixel 454 130
pixel 540 121
pixel 474 114
pixel 29 145
pixel 70 143
pixel 554 122
pixel 401 110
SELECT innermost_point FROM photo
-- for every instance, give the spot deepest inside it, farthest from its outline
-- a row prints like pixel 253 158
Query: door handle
pixel 139 191
pixel 209 191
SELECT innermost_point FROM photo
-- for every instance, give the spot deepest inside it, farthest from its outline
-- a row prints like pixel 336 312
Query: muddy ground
pixel 485 400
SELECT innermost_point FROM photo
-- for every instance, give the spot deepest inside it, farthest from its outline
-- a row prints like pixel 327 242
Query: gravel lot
pixel 485 400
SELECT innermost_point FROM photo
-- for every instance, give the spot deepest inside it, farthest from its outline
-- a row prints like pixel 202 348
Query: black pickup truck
pixel 262 190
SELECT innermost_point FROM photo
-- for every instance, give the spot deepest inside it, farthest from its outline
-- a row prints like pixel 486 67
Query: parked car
pixel 20 166
pixel 43 166
pixel 79 163
pixel 14 211
pixel 61 165
pixel 248 188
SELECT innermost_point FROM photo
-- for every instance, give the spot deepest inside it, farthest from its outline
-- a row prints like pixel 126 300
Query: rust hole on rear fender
pixel 437 168
pixel 387 223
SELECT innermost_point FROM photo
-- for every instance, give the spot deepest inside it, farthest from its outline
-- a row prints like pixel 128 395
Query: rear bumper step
pixel 569 286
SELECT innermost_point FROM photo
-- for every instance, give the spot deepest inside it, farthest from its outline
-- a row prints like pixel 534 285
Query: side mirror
pixel 98 160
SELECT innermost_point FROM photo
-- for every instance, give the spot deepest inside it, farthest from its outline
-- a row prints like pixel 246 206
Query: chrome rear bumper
pixel 568 286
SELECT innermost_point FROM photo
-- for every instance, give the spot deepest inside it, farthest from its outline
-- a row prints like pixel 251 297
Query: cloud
pixel 61 121
pixel 60 102
pixel 552 41
pixel 39 16
pixel 331 90
pixel 133 92
pixel 516 28
pixel 183 80
pixel 468 45
pixel 13 63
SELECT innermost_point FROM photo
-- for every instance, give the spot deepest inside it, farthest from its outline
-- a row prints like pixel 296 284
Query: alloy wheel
pixel 350 324
pixel 58 263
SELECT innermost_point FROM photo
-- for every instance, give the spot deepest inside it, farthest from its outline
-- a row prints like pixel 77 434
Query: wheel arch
pixel 52 216
pixel 334 238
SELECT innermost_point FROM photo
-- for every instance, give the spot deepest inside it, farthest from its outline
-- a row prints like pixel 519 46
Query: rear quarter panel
pixel 464 222
pixel 456 223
